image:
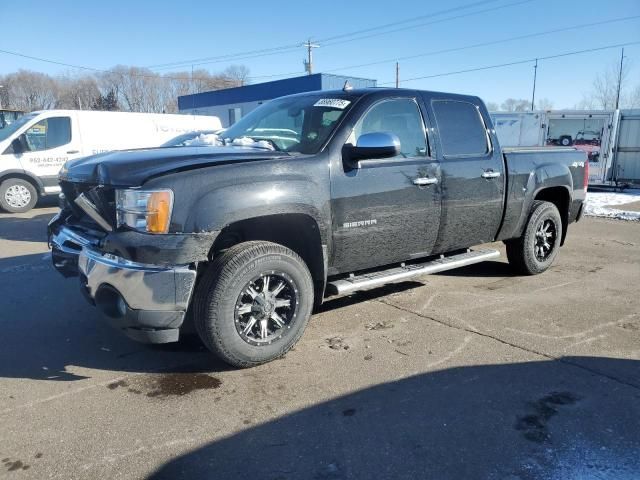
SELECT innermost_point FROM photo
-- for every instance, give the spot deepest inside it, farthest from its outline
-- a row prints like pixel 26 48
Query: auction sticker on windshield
pixel 333 103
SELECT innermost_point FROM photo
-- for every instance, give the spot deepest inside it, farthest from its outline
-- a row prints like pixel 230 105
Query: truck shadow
pixel 517 421
pixel 24 229
pixel 51 333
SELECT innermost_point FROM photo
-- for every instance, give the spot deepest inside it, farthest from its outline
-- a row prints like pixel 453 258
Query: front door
pixel 384 211
pixel 473 177
pixel 47 146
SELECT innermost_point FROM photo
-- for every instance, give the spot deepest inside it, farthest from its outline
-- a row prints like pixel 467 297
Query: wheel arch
pixel 561 198
pixel 32 179
pixel 299 232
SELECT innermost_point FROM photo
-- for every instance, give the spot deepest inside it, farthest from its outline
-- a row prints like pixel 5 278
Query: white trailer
pixel 611 138
pixel 35 146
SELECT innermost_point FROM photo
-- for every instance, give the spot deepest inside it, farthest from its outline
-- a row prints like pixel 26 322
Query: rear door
pixel 473 177
pixel 381 212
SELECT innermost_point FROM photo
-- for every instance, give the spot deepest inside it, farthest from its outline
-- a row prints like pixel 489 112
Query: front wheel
pixel 535 250
pixel 17 195
pixel 253 303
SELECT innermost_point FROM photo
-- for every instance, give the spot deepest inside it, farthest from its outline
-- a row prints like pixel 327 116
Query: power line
pixel 404 29
pixel 288 48
pixel 484 44
pixel 409 20
pixel 516 62
pixel 464 47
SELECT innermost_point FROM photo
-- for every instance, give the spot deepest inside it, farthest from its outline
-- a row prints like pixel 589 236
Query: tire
pixel 221 302
pixel 565 141
pixel 17 195
pixel 524 253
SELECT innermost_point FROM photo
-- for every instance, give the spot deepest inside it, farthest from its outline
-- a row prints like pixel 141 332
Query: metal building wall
pixel 627 150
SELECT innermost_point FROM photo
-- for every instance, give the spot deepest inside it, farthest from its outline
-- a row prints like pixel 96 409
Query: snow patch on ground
pixel 599 204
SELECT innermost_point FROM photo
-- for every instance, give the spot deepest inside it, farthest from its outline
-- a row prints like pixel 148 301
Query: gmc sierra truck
pixel 308 196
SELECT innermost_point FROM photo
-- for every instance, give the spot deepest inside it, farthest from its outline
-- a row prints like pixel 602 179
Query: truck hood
pixel 131 168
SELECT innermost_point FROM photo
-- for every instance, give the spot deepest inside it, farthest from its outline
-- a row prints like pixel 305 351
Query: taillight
pixel 586 176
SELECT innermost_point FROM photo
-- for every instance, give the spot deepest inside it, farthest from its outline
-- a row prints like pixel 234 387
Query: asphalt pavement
pixel 469 374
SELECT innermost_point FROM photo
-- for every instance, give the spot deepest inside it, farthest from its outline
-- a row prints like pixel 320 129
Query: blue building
pixel 231 104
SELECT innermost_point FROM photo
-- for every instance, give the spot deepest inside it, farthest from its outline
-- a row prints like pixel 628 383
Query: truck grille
pixel 102 197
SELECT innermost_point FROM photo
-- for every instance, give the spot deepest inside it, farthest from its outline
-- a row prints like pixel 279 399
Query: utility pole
pixel 308 63
pixel 397 75
pixel 535 75
pixel 619 80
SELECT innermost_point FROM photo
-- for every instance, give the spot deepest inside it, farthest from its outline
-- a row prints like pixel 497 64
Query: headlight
pixel 144 210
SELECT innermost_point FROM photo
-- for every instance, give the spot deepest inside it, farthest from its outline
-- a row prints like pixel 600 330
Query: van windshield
pixel 299 124
pixel 15 126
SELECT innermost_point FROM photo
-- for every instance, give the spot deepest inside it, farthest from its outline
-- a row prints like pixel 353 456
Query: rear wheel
pixel 253 303
pixel 17 195
pixel 538 246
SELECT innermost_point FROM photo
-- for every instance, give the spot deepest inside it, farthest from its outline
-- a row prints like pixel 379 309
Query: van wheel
pixel 17 195
pixel 253 303
pixel 535 250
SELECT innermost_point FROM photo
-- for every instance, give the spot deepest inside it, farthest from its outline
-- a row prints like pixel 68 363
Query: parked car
pixel 36 145
pixel 381 185
pixel 590 137
pixel 562 140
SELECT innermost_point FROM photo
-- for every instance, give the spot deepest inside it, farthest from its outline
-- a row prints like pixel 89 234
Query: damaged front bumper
pixel 147 302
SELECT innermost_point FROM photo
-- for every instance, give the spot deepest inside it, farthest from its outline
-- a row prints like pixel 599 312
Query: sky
pixel 146 33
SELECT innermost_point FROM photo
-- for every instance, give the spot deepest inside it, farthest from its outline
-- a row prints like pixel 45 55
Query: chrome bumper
pixel 142 287
pixel 147 302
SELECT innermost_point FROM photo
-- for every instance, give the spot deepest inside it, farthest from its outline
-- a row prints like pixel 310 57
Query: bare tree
pixel 493 106
pixel 515 105
pixel 544 104
pixel 129 88
pixel 238 75
pixel 77 93
pixel 27 90
pixel 604 90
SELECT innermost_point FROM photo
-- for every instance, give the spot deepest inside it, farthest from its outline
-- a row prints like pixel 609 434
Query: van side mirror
pixel 16 146
pixel 374 145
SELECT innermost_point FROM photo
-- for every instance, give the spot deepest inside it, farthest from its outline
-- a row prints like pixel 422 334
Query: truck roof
pixel 361 92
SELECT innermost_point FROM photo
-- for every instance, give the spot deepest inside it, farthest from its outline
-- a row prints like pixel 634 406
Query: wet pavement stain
pixel 178 384
pixel 534 425
pixel 119 383
pixel 14 465
pixel 169 384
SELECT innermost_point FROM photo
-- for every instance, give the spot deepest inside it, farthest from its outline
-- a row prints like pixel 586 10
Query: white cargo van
pixel 34 147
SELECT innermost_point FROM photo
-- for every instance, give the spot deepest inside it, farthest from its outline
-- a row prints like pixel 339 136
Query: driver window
pixel 399 116
pixel 49 133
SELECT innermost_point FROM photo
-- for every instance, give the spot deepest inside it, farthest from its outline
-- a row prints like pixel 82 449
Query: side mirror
pixel 16 146
pixel 375 145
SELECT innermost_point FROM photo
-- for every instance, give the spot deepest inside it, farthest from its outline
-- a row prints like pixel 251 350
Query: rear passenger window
pixel 462 131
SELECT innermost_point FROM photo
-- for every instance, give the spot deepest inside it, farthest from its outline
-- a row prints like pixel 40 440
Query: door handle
pixel 490 174
pixel 423 181
pixel 71 152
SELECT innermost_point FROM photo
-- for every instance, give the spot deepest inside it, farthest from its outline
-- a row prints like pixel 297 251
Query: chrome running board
pixel 366 281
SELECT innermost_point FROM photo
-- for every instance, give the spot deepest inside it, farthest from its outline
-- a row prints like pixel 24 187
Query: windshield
pixel 15 126
pixel 293 124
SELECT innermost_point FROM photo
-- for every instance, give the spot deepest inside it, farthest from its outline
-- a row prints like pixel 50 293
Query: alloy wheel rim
pixel 545 240
pixel 266 308
pixel 17 196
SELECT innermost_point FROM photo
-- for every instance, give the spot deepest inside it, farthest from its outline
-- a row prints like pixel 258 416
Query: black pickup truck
pixel 307 196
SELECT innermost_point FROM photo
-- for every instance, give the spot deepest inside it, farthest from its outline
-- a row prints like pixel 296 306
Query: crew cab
pixel 308 196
